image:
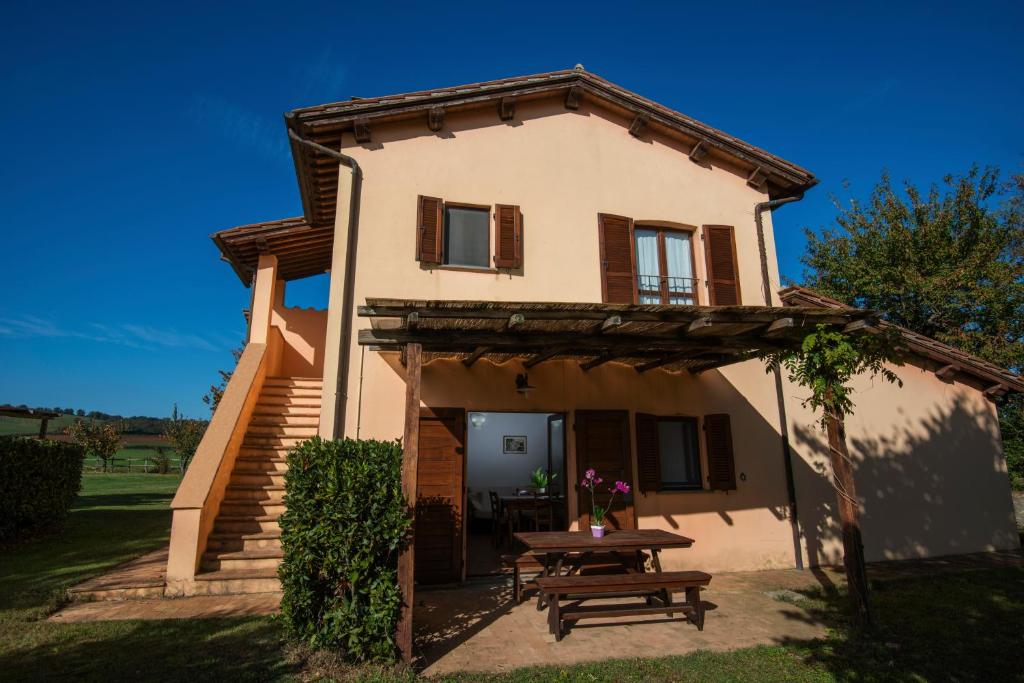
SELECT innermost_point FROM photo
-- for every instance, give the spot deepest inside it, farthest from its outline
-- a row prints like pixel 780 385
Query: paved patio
pixel 478 628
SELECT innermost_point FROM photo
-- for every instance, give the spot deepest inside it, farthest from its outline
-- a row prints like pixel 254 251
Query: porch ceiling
pixel 302 250
pixel 692 338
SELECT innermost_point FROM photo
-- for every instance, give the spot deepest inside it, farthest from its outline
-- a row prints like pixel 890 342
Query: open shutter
pixel 429 229
pixel 648 458
pixel 721 464
pixel 508 236
pixel 618 270
pixel 723 273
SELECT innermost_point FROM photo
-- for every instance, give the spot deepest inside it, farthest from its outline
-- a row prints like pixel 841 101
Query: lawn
pixel 964 626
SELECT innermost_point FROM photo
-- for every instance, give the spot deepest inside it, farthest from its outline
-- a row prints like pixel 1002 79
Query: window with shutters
pixel 668 454
pixel 721 265
pixel 458 236
pixel 467 236
pixel 665 270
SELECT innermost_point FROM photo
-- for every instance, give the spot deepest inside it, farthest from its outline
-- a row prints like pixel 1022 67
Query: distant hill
pixel 136 424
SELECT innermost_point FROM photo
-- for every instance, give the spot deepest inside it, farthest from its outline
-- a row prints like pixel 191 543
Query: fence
pixel 148 465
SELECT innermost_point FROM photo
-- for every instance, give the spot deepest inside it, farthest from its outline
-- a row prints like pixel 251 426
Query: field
pixel 963 626
pixel 18 426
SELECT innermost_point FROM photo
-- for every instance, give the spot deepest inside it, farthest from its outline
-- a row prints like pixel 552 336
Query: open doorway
pixel 503 450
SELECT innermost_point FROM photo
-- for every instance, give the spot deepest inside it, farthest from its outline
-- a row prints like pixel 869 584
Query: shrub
pixel 344 525
pixel 39 481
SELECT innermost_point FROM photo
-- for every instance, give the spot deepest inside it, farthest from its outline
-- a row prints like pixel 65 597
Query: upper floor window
pixel 665 266
pixel 459 235
pixel 467 237
pixel 648 264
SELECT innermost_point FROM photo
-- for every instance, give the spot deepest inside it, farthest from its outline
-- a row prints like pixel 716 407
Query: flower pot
pixel 541 490
pixel 597 530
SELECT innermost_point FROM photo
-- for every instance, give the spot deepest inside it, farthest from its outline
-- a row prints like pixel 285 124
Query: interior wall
pixel 489 469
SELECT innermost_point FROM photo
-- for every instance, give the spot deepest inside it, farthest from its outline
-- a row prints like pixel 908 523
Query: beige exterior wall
pixel 563 168
pixel 929 470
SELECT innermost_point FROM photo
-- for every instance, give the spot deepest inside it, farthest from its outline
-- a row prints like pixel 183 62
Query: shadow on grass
pixel 172 650
pixel 962 626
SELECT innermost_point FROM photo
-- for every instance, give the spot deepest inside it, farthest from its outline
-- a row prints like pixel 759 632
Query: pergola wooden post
pixel 410 456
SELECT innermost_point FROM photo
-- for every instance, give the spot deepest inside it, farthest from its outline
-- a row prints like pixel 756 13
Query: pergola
pixel 43 416
pixel 681 338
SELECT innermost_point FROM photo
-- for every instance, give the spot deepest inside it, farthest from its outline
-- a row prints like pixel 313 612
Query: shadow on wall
pixel 928 487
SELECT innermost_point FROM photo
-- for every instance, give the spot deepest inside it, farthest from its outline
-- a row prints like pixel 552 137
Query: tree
pixel 948 263
pixel 212 398
pixel 184 435
pixel 825 363
pixel 98 439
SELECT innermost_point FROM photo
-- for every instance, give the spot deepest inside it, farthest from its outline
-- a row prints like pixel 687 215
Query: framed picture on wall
pixel 513 445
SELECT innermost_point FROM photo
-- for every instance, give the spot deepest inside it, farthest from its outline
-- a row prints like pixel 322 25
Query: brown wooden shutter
pixel 648 457
pixel 721 464
pixel 429 229
pixel 720 258
pixel 618 272
pixel 508 236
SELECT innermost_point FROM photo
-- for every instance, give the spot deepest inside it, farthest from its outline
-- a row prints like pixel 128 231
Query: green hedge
pixel 39 481
pixel 345 522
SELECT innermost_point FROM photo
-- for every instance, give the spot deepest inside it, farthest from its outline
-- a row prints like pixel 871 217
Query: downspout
pixel 341 389
pixel 787 453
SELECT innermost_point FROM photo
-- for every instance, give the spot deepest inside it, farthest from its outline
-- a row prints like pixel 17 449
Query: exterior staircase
pixel 244 548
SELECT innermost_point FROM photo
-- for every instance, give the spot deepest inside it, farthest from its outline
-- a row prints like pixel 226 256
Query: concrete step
pixel 251 508
pixel 258 540
pixel 256 478
pixel 237 582
pixel 305 431
pixel 275 400
pixel 284 410
pixel 291 392
pixel 260 464
pixel 287 442
pixel 254 493
pixel 286 420
pixel 293 382
pixel 267 558
pixel 246 524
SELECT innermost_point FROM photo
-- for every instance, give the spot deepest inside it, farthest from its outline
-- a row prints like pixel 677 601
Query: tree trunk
pixel 849 518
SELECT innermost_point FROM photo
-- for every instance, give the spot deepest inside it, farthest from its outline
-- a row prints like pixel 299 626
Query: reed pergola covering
pixel 673 337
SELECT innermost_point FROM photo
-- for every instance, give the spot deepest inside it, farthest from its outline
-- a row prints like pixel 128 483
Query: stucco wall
pixel 928 465
pixel 563 168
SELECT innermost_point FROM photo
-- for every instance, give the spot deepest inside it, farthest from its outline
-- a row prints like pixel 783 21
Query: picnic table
pixel 565 552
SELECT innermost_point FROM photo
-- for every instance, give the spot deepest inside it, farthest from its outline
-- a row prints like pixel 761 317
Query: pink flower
pixel 622 486
pixel 598 480
pixel 590 474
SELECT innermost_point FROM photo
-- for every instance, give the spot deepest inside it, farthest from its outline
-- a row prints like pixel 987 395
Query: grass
pixel 29 427
pixel 963 626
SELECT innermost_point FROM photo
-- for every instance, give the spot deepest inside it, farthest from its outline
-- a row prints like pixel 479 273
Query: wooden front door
pixel 602 444
pixel 439 495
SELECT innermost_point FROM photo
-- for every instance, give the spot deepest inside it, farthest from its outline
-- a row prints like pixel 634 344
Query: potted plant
pixel 590 482
pixel 541 480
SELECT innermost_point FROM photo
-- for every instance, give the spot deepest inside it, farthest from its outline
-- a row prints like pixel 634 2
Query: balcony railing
pixel 667 289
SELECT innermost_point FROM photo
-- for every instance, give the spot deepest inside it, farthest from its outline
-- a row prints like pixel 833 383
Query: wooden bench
pixel 605 563
pixel 594 586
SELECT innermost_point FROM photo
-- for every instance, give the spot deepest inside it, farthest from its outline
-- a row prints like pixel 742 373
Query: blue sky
pixel 132 131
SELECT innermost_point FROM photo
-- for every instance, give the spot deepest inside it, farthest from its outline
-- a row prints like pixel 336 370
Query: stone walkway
pixel 197 607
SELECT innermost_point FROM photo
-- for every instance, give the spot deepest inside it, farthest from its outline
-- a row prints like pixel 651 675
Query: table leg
pixel 666 596
pixel 552 561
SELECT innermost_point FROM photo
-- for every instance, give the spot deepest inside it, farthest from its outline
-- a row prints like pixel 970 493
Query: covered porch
pixel 593 363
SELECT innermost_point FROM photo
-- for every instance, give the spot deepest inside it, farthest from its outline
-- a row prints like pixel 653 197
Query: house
pixel 569 276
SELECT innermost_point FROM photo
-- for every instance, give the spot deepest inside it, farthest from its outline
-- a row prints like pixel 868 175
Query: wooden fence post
pixel 410 455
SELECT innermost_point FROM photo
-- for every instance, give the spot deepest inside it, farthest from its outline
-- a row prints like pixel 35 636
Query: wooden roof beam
pixel 636 128
pixel 361 130
pixel 664 360
pixel 515 320
pixel 698 152
pixel 472 358
pixel 610 323
pixel 544 355
pixel 599 360
pixel 412 321
pixel 507 108
pixel 996 391
pixel 435 118
pixel 758 179
pixel 947 372
pixel 780 327
pixel 573 96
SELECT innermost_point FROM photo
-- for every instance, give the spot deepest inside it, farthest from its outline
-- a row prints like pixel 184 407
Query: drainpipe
pixel 341 389
pixel 787 454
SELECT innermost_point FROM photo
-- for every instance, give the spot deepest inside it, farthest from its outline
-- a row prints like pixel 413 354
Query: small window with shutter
pixel 723 271
pixel 458 235
pixel 668 454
